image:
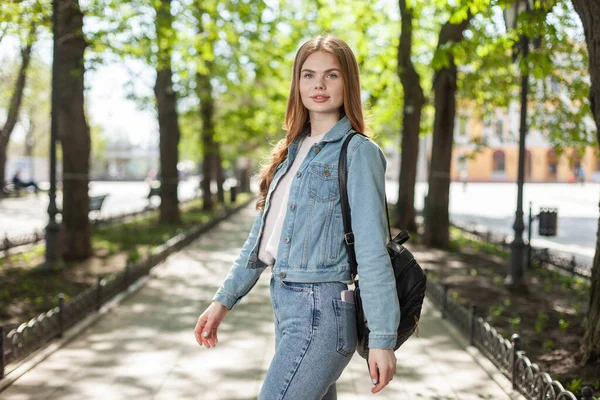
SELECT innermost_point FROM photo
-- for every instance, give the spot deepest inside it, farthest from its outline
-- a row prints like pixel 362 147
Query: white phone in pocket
pixel 347 296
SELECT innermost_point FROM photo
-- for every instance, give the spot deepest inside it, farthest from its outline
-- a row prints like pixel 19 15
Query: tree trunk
pixel 220 174
pixel 73 131
pixel 211 153
pixel 166 103
pixel 30 145
pixel 209 162
pixel 2 165
pixel 588 11
pixel 437 223
pixel 411 124
pixel 243 174
pixel 15 102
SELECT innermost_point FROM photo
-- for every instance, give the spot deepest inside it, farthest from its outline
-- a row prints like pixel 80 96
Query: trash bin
pixel 548 217
pixel 233 192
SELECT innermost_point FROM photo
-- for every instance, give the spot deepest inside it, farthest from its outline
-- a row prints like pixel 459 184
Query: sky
pixel 110 109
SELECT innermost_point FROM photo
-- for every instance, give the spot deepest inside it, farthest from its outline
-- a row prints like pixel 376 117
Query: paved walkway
pixel 145 347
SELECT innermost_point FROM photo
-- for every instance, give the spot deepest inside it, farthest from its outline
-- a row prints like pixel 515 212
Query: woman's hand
pixel 208 323
pixel 382 365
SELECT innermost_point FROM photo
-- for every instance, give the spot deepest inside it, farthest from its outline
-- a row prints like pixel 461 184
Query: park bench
pixel 10 190
pixel 154 191
pixel 95 203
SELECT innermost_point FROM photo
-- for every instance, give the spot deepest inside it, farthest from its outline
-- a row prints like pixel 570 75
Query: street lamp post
pixel 514 279
pixel 52 227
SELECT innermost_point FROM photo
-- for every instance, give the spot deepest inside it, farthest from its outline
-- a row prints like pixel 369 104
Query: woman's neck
pixel 322 123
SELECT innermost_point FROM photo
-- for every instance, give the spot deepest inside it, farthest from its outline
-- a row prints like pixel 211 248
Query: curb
pixel 37 357
pixel 490 369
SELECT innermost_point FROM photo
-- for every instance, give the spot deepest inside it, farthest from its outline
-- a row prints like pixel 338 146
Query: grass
pixel 24 257
pixel 460 240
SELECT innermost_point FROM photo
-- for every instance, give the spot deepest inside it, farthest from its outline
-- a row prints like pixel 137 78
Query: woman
pixel 299 233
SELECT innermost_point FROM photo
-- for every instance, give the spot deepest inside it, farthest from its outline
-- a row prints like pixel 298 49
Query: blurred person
pixel 20 184
pixel 298 233
pixel 464 178
pixel 581 175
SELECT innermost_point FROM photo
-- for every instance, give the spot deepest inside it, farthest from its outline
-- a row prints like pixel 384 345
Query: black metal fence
pixel 543 257
pixel 526 377
pixel 568 264
pixel 17 241
pixel 30 336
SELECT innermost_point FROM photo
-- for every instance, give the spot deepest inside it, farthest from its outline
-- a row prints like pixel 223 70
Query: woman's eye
pixel 307 75
pixel 333 76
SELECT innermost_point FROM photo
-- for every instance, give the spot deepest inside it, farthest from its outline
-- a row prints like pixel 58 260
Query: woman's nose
pixel 319 84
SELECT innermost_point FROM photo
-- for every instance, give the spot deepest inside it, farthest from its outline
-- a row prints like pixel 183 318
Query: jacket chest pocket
pixel 323 183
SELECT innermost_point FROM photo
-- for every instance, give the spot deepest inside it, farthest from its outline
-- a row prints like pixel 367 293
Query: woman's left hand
pixel 382 364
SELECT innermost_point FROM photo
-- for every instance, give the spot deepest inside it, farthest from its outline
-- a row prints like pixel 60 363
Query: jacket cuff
pixel 382 341
pixel 225 298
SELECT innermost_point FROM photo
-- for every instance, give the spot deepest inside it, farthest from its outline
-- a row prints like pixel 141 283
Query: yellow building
pixel 497 160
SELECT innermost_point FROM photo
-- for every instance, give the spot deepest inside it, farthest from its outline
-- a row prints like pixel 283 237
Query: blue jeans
pixel 315 338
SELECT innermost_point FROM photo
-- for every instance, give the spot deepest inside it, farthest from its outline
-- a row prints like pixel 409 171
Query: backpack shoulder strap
pixel 346 218
pixel 342 179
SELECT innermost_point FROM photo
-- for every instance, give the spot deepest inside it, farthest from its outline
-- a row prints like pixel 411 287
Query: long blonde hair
pixel 296 116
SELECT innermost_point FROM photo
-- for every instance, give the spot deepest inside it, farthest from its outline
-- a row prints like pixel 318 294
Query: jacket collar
pixel 338 131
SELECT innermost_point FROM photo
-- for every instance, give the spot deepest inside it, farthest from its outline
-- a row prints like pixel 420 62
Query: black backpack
pixel 411 281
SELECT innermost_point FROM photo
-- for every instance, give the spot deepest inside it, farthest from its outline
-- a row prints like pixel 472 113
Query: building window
pixel 499 128
pixel 575 158
pixel 551 161
pixel 499 161
pixel 462 126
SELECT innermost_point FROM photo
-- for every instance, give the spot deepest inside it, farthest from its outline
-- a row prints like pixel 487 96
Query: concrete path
pixel 145 347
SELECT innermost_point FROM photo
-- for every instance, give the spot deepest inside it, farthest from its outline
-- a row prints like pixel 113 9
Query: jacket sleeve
pixel 366 195
pixel 240 280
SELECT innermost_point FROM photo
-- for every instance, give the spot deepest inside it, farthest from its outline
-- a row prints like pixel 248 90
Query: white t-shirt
pixel 279 204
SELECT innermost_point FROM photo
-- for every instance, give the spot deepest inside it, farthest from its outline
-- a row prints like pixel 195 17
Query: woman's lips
pixel 320 99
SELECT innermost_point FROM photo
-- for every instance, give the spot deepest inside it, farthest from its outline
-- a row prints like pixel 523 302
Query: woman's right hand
pixel 209 321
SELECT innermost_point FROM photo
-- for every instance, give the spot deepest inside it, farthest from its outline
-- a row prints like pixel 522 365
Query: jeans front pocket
pixel 345 316
pixel 298 286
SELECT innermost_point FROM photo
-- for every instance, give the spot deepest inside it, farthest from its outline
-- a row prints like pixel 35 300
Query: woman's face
pixel 321 84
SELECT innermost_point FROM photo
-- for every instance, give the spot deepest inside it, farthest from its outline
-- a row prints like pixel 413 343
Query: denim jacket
pixel 312 239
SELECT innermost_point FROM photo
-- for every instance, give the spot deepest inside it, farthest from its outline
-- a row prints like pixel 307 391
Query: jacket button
pixel 299 174
pixel 293 207
pixel 282 274
pixel 326 173
pixel 317 149
pixel 286 240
